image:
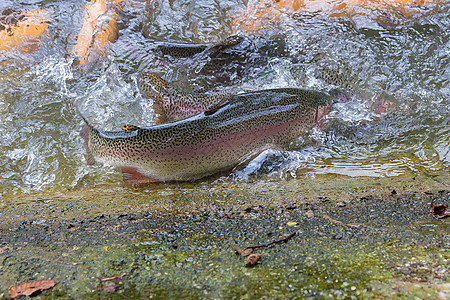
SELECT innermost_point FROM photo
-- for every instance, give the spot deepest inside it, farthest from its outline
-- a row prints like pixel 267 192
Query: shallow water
pixel 404 59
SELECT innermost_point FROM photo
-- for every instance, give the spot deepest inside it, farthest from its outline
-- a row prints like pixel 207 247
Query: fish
pixel 226 59
pixel 22 30
pixel 218 139
pixel 265 15
pixel 171 104
pixel 184 50
pixel 100 28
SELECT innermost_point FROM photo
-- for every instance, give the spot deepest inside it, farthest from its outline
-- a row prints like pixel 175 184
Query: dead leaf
pixel 440 211
pixel 109 288
pixel 30 288
pixel 252 259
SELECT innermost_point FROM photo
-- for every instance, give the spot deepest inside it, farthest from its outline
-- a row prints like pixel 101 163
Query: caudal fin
pixel 225 43
pixel 85 135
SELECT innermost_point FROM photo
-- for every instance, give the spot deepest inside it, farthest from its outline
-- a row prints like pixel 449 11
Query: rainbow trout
pixel 227 60
pixel 218 139
pixel 171 104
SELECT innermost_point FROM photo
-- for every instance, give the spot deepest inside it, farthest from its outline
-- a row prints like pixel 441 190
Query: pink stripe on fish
pixel 227 142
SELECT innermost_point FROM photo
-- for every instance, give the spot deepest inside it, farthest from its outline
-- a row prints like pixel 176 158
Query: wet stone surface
pixel 373 246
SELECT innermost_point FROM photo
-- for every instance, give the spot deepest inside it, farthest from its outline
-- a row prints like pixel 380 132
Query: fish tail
pixel 340 96
pixel 325 102
pixel 85 134
pixel 225 43
pixel 154 87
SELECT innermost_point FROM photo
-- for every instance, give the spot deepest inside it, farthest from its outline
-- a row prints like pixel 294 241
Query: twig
pixel 283 240
pixel 114 278
pixel 341 223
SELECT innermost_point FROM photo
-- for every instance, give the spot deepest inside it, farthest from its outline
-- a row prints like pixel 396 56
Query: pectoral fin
pixel 244 161
pixel 133 177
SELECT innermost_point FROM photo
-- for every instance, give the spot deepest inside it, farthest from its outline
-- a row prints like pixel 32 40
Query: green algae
pixel 179 242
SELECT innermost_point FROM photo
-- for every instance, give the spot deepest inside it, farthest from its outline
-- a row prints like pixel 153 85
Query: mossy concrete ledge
pixel 357 238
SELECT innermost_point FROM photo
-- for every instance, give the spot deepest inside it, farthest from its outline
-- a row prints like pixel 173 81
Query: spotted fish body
pixel 183 50
pixel 171 104
pixel 210 142
pixel 227 60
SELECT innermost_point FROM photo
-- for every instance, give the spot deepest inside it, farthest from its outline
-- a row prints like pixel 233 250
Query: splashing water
pixel 382 54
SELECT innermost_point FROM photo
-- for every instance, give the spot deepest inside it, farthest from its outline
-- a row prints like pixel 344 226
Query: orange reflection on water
pixel 265 14
pixel 22 30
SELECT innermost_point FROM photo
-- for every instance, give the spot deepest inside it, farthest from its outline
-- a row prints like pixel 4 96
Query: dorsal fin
pixel 215 106
pixel 154 87
pixel 129 128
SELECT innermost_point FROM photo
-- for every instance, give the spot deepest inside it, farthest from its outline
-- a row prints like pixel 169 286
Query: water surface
pixel 387 53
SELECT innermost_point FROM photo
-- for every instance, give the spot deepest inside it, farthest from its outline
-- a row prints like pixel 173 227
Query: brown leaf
pixel 109 288
pixel 440 211
pixel 29 288
pixel 252 259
